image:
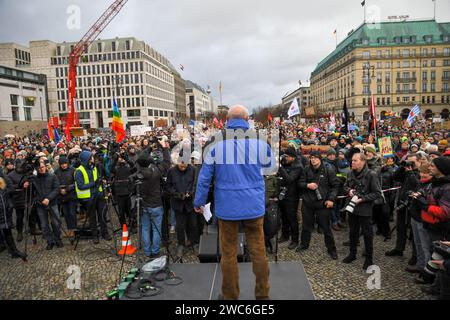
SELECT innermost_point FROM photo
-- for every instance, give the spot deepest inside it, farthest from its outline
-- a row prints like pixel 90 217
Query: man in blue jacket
pixel 237 165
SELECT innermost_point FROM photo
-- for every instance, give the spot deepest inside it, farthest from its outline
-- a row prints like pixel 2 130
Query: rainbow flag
pixel 50 131
pixel 117 124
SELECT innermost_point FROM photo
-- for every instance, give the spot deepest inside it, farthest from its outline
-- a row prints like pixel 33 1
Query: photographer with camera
pixel 89 190
pixel 150 172
pixel 67 195
pixel 319 185
pixel 46 190
pixel 363 188
pixel 180 185
pixel 121 169
pixel 289 173
pixel 408 176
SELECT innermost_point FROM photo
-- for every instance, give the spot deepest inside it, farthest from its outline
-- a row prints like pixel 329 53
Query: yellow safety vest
pixel 86 194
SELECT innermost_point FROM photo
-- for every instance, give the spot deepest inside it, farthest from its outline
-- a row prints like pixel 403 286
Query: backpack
pixel 272 219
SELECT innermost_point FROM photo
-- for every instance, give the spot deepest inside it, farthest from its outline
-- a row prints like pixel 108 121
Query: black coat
pixel 6 208
pixel 290 174
pixel 45 186
pixel 120 184
pixel 325 177
pixel 151 184
pixel 67 178
pixel 18 195
pixel 409 181
pixel 367 186
pixel 178 184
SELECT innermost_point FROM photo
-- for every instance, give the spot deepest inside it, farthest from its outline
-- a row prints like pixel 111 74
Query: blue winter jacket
pixel 238 186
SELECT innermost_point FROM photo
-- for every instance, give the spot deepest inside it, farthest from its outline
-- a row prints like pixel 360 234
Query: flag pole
pixel 434 16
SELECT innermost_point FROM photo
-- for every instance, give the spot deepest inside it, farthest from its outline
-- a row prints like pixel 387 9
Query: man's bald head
pixel 238 112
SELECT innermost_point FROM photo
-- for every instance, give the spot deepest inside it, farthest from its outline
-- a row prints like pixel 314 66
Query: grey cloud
pixel 259 49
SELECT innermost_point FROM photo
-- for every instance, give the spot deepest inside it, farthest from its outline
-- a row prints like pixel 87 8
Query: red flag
pixel 269 117
pixel 50 131
pixel 221 123
pixel 215 122
pixel 373 113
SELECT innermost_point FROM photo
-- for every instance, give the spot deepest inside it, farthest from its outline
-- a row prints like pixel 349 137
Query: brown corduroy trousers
pixel 254 235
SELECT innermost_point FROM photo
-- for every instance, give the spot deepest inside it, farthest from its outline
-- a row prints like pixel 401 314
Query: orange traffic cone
pixel 127 247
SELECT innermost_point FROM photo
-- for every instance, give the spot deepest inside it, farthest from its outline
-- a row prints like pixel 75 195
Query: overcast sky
pixel 259 49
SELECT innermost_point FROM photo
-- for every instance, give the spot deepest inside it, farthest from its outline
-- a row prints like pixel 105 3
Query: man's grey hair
pixel 238 112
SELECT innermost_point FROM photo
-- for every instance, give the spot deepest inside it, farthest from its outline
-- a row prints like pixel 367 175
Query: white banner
pixel 138 130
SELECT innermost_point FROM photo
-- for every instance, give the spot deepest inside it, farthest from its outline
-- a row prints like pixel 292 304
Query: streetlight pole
pixel 369 68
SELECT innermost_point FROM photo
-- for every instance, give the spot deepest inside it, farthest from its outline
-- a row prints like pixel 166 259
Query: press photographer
pixel 180 185
pixel 45 191
pixel 289 172
pixel 408 176
pixel 319 186
pixel 150 171
pixel 363 188
pixel 121 169
pixel 67 195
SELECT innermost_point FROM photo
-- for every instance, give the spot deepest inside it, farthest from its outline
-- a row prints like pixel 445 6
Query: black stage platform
pixel 203 281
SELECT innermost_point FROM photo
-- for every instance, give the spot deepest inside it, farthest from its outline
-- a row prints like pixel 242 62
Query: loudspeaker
pixel 208 248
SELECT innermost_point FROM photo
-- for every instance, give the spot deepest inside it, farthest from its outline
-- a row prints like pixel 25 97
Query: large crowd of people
pixel 331 178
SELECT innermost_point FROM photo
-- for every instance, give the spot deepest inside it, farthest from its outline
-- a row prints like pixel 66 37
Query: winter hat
pixel 291 152
pixel 343 151
pixel 371 148
pixel 9 161
pixel 315 154
pixel 331 151
pixel 443 165
pixel 414 145
pixel 62 160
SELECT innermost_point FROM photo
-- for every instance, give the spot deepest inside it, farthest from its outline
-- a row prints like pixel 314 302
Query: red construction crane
pixel 78 51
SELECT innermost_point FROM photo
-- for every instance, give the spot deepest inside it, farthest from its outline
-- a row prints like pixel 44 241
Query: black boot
pixel 367 262
pixel 350 258
pixel 18 254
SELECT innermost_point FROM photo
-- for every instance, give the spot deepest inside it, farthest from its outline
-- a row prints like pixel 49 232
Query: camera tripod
pixel 170 276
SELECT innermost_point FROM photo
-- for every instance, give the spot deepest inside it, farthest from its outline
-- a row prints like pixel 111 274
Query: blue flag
pixel 57 137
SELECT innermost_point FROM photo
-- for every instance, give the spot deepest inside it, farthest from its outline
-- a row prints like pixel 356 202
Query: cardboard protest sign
pixel 385 146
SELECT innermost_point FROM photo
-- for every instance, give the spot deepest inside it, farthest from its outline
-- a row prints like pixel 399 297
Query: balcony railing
pixel 406 91
pixel 404 80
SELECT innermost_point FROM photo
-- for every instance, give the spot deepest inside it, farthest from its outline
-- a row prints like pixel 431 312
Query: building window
pixel 433 87
pixel 99 47
pixel 27 114
pixel 134 113
pixel 113 47
pixel 127 45
pixel 150 112
pixel 14 99
pixel 28 101
pixel 15 113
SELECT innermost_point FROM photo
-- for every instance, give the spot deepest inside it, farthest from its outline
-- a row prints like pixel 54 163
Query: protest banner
pixel 385 146
pixel 138 130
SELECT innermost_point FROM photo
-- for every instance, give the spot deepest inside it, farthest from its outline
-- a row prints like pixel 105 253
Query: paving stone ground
pixel 46 273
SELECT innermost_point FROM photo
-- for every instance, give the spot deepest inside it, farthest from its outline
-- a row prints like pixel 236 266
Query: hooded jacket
pixel 238 188
pixel 85 156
